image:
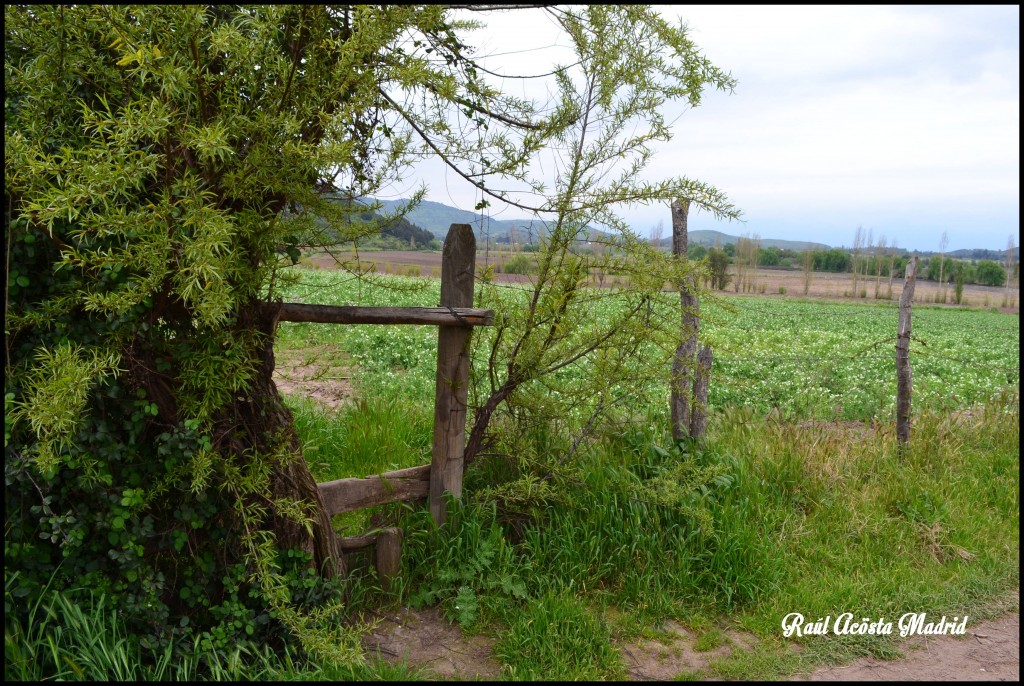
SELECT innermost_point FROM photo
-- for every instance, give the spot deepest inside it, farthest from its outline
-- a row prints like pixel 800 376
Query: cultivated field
pixel 582 569
pixel 804 359
pixel 769 282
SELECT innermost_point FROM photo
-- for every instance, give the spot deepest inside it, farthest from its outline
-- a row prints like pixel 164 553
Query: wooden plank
pixel 344 314
pixel 388 555
pixel 350 543
pixel 904 376
pixel 345 495
pixel 457 271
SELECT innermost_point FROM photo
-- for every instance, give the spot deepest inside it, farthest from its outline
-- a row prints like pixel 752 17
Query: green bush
pixel 518 264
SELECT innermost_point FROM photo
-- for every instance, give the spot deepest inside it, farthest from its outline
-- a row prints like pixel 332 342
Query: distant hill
pixel 709 239
pixel 437 217
pixel 401 228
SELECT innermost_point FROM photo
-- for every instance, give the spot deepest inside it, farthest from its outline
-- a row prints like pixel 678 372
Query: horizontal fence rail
pixel 346 495
pixel 343 314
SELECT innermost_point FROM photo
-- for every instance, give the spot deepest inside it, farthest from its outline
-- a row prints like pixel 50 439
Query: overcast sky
pixel 902 120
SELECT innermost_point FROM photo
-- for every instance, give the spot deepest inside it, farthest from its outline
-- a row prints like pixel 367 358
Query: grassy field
pixel 798 501
pixel 811 509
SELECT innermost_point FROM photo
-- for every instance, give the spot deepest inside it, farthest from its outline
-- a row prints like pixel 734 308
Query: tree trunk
pixel 701 378
pixel 683 363
pixel 269 423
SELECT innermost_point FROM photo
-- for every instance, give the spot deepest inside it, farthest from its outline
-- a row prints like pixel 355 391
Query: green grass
pixel 75 636
pixel 556 638
pixel 816 520
pixel 807 516
pixel 709 640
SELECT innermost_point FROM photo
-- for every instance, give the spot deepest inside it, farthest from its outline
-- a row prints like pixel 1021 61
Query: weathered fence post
pixel 458 265
pixel 701 378
pixel 681 396
pixel 388 555
pixel 904 378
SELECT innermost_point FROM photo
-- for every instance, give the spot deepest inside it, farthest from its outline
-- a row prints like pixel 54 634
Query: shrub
pixel 518 264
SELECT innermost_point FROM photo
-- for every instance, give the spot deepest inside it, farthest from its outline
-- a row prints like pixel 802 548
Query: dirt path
pixel 989 652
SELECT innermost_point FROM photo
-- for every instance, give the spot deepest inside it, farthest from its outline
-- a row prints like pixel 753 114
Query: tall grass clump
pixel 77 636
pixel 369 436
pixel 866 530
pixel 557 638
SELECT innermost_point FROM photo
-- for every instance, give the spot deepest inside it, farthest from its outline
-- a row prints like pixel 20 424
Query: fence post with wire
pixel 904 376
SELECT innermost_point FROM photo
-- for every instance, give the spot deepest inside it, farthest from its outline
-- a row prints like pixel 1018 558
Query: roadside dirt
pixel 426 640
pixel 664 660
pixel 989 652
pixel 322 376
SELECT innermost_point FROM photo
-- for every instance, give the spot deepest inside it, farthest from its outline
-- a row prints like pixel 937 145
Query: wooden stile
pixel 388 555
pixel 456 319
pixel 458 264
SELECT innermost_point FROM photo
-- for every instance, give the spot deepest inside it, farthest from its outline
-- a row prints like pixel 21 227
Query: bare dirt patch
pixel 426 640
pixel 320 375
pixel 665 659
pixel 989 652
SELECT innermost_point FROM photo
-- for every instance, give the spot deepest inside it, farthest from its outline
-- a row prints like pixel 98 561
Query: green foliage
pixel 629 67
pixel 161 163
pixel 834 260
pixel 556 638
pixel 518 264
pixel 989 273
pixel 77 636
pixel 718 269
pixel 769 257
pixel 814 514
pixel 959 273
pixel 467 567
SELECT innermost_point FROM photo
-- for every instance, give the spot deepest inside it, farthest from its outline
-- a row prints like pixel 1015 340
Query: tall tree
pixel 161 164
pixel 807 261
pixel 879 252
pixel 1011 262
pixel 858 244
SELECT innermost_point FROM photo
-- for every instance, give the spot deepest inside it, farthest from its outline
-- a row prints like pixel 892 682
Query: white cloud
pixel 903 116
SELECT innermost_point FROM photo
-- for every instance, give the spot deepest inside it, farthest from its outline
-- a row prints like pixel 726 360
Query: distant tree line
pixel 984 272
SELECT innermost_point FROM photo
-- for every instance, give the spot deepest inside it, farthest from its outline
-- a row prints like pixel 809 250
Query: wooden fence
pixel 456 320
